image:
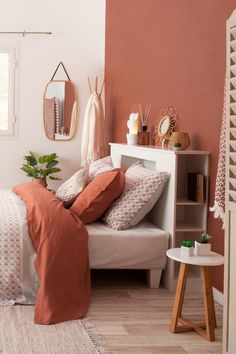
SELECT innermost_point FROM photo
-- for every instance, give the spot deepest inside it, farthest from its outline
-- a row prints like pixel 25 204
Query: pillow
pixel 70 189
pixel 98 195
pixel 143 188
pixel 100 166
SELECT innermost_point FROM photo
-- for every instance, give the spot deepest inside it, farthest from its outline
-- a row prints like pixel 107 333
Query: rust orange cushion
pixel 94 200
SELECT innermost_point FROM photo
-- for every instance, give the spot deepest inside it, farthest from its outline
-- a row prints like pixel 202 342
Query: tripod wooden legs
pixel 208 303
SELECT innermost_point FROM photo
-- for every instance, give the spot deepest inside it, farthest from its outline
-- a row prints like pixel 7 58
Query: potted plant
pixel 41 167
pixel 186 248
pixel 177 146
pixel 202 246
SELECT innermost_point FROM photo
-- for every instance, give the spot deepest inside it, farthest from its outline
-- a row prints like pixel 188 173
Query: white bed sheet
pixel 141 247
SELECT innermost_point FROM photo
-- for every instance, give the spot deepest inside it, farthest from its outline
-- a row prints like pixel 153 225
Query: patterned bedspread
pixel 18 282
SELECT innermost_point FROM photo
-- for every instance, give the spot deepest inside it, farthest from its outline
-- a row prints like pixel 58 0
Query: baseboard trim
pixel 218 296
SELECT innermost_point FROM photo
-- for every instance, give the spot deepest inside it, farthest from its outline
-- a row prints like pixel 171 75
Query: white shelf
pixel 183 226
pixel 183 201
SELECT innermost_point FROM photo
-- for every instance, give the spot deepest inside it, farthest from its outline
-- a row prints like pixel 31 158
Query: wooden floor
pixel 131 318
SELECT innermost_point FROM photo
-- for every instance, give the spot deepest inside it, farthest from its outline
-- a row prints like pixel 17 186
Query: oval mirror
pixel 60 110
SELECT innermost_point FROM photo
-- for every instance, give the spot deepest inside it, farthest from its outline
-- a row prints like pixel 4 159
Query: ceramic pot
pixel 202 249
pixel 180 137
pixel 186 251
pixel 132 139
pixel 41 181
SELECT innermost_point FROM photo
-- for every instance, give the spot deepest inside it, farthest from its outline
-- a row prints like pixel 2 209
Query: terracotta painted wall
pixel 170 52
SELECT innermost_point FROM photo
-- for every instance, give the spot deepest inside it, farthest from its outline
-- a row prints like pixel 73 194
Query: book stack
pixel 195 187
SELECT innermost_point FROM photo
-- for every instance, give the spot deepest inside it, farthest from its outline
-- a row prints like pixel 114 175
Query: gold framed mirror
pixel 60 110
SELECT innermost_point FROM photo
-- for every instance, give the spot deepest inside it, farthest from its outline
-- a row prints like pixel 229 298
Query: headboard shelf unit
pixel 174 212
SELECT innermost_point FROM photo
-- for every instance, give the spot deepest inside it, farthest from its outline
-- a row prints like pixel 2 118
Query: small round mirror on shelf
pixel 60 110
pixel 165 127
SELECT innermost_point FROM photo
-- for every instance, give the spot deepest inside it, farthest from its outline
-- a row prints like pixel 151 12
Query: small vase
pixel 41 181
pixel 202 249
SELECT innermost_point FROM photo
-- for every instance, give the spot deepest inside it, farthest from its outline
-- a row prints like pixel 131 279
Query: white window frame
pixel 13 52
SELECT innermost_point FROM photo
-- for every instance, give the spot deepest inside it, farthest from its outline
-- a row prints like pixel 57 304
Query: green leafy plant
pixel 204 238
pixel 187 243
pixel 41 166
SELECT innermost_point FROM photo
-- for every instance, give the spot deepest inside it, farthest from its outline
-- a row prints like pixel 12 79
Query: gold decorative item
pixel 180 138
pixel 165 127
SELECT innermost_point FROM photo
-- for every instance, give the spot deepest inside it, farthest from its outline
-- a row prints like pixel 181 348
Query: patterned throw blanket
pixel 17 278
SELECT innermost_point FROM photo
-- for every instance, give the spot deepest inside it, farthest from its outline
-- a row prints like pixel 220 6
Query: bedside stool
pixel 205 262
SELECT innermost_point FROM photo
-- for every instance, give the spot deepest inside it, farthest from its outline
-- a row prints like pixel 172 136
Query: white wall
pixel 78 40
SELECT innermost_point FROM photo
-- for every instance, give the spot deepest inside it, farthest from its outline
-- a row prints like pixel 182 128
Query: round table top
pixel 214 259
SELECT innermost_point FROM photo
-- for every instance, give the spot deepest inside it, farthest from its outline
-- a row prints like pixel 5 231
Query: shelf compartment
pixel 185 201
pixel 190 217
pixel 183 226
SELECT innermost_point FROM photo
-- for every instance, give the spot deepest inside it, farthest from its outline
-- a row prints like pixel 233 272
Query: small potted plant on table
pixel 186 248
pixel 202 246
pixel 41 167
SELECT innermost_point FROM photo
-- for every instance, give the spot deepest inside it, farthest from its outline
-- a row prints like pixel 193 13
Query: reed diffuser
pixel 144 135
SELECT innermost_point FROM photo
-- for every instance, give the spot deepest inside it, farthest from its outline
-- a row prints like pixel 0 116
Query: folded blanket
pixel 61 244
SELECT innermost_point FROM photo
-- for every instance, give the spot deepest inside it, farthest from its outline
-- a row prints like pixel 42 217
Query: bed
pixel 142 247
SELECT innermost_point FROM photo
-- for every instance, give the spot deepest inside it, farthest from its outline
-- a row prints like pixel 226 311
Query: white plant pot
pixel 186 251
pixel 202 249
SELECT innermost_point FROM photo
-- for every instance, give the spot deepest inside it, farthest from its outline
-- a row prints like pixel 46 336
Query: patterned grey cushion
pixel 143 188
pixel 71 188
pixel 100 166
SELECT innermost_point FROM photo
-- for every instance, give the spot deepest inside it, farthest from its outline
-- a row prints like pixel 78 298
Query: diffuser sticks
pixel 144 115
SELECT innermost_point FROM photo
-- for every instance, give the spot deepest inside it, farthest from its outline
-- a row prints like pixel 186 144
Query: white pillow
pixel 71 188
pixel 143 188
pixel 100 166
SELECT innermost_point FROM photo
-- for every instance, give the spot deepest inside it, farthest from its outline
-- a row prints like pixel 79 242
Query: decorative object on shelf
pixel 132 124
pixel 165 126
pixel 41 167
pixel 181 138
pixel 186 248
pixel 143 134
pixel 60 108
pixel 196 187
pixel 177 147
pixel 202 246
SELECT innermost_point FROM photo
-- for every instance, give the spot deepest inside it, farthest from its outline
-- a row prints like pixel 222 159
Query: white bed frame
pixel 163 213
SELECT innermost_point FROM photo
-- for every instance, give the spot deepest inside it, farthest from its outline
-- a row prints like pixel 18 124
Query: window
pixel 8 84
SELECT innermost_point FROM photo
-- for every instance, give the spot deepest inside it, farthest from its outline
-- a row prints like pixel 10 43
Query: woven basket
pixel 181 138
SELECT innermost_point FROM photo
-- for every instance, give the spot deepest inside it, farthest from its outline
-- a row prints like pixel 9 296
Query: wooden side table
pixel 214 259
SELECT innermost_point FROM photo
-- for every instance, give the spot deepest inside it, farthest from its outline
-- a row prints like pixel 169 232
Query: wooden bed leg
pixel 153 278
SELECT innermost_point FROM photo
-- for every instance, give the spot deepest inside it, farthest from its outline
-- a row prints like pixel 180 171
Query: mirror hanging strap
pixel 63 66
